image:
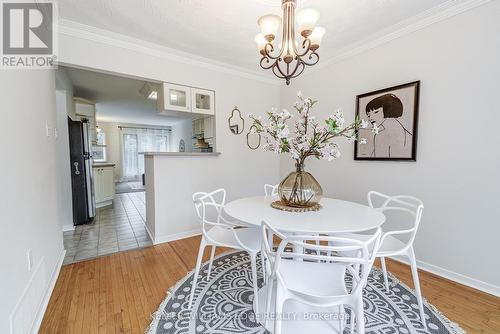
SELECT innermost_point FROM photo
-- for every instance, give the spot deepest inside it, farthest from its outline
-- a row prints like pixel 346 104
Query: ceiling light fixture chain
pixel 290 61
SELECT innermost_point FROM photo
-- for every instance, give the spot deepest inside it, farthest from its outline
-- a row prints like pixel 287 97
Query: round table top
pixel 335 216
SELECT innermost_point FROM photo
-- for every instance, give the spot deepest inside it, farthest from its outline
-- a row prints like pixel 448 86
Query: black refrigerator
pixel 82 184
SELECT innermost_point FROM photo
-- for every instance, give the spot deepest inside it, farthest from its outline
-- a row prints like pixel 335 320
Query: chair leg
pixel 352 320
pixel 278 309
pixel 384 271
pixel 212 254
pixel 360 317
pixel 416 283
pixel 197 270
pixel 341 318
pixel 263 266
pixel 253 258
pixel 270 292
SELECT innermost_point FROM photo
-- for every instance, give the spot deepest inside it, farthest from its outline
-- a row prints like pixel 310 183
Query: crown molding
pixel 420 21
pixel 106 37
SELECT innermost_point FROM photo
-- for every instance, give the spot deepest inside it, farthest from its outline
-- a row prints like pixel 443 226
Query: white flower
pixel 283 133
pixel 339 118
pixel 364 124
pixel 286 113
pixel 304 146
pixel 294 154
pixel 251 115
pixel 362 141
pixel 319 129
pixel 299 94
pixel 375 128
pixel 351 139
pixel 268 147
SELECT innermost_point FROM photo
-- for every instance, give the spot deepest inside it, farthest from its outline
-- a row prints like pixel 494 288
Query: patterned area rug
pixel 223 304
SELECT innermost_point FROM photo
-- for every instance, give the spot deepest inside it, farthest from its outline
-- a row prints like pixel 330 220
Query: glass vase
pixel 300 189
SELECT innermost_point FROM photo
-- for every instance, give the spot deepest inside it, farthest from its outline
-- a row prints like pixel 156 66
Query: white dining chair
pixel 319 279
pixel 218 231
pixel 271 190
pixel 391 246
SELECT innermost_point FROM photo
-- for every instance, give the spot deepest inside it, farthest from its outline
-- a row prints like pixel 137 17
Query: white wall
pixel 64 108
pixel 29 174
pixel 63 82
pixel 458 163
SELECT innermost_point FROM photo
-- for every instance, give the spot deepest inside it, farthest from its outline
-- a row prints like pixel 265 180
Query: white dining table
pixel 335 216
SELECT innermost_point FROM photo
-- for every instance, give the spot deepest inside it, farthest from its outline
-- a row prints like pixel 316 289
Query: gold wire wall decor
pixel 236 122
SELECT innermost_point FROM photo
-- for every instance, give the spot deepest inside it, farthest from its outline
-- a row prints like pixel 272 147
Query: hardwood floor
pixel 118 293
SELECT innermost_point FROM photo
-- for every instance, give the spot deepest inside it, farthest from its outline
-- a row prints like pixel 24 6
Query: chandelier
pixel 289 60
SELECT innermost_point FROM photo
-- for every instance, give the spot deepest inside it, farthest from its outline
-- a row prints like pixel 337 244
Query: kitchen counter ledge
pixel 181 154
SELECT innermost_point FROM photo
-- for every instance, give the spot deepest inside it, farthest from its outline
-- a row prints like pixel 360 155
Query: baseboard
pixel 176 236
pixel 48 293
pixel 455 277
pixel 151 236
pixel 66 228
pixel 103 204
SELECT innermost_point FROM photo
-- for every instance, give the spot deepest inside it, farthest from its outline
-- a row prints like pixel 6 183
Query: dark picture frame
pixel 401 109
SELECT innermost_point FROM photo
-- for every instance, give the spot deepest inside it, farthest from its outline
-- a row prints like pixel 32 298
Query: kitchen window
pixel 138 140
pixel 99 150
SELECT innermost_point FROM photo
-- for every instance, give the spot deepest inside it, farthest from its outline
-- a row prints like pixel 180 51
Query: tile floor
pixel 117 227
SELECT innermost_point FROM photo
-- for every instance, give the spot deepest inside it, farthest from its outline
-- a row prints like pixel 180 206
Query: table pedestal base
pixel 298 318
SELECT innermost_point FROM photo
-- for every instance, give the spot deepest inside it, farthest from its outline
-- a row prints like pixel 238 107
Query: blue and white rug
pixel 223 304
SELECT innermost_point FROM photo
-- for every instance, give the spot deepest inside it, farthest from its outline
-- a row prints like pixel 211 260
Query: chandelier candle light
pixel 300 189
pixel 288 60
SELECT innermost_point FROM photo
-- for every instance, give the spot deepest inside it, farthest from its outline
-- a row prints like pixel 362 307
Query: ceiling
pixel 117 98
pixel 224 30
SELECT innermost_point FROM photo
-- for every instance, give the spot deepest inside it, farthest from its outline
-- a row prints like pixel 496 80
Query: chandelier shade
pixel 291 56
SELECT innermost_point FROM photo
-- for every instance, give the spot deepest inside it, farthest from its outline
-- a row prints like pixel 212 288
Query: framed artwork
pixel 394 111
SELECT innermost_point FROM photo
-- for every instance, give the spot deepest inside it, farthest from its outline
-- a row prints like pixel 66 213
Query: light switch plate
pixel 29 253
pixel 47 129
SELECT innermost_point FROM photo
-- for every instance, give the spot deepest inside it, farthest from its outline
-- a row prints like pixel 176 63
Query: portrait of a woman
pixel 392 114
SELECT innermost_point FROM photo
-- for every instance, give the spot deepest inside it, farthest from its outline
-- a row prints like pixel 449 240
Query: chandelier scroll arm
pixel 296 74
pixel 306 46
pixel 265 60
pixel 314 56
pixel 268 50
pixel 282 74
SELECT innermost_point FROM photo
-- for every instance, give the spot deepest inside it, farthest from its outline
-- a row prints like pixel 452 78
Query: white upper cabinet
pixel 178 98
pixel 203 101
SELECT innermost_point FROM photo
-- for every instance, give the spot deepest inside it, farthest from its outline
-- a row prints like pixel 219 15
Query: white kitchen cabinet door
pixel 108 183
pixel 176 97
pixel 203 101
pixel 104 185
pixel 97 185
